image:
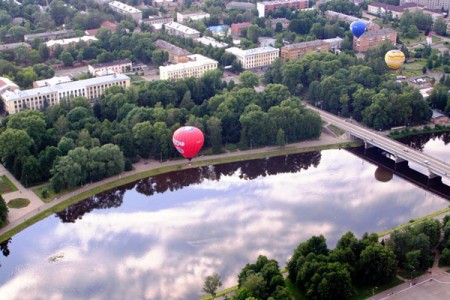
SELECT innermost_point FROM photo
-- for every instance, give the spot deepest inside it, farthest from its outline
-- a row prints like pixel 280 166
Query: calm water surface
pixel 159 238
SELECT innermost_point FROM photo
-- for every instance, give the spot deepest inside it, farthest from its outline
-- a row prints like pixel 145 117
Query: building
pixel 194 16
pixel 236 28
pixel 334 16
pixel 7 84
pixel 127 10
pixel 283 21
pixel 206 40
pixel 39 98
pixel 109 25
pixel 176 54
pixel 46 36
pixel 264 7
pixel 374 38
pixel 66 43
pixel 118 67
pixel 255 58
pixel 157 22
pixel 335 43
pixel 433 4
pixel 176 29
pixel 220 30
pixel 195 67
pixel 240 6
pixel 51 81
pixel 381 9
pixel 295 51
pixel 13 46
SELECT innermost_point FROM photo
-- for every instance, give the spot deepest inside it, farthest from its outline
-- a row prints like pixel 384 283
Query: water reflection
pixel 162 237
pixel 177 180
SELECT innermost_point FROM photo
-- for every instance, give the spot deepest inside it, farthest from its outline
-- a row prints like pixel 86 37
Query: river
pixel 160 237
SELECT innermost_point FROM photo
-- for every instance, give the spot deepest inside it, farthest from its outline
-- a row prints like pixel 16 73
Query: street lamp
pixel 374 289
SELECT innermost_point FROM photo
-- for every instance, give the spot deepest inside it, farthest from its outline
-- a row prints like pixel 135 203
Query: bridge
pixel 402 154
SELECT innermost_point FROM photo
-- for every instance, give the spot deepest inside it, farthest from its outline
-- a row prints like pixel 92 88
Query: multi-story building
pixel 240 6
pixel 46 36
pixel 194 16
pixel 127 10
pixel 333 16
pixel 7 84
pixel 335 43
pixel 236 28
pixel 381 9
pixel 295 51
pixel 206 40
pixel 374 38
pixel 255 58
pixel 39 98
pixel 66 43
pixel 264 7
pixel 433 4
pixel 107 24
pixel 157 22
pixel 195 67
pixel 118 67
pixel 13 46
pixel 267 41
pixel 176 54
pixel 176 29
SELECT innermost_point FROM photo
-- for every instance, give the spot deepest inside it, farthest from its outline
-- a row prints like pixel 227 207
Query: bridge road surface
pixel 399 150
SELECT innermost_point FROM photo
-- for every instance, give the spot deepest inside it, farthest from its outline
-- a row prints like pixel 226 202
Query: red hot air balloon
pixel 188 140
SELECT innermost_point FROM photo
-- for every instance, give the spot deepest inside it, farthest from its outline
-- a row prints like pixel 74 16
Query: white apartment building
pixel 51 81
pixel 195 67
pixel 194 16
pixel 38 98
pixel 124 9
pixel 157 22
pixel 255 58
pixel 118 67
pixel 176 29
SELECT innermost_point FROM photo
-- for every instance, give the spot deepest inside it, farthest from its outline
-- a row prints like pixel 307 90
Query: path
pixel 17 216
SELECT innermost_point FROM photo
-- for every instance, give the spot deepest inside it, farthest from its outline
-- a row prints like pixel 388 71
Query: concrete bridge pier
pixel 433 178
pixel 400 163
pixel 367 145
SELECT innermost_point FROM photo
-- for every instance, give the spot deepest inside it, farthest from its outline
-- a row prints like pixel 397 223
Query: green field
pixel 6 186
pixel 413 69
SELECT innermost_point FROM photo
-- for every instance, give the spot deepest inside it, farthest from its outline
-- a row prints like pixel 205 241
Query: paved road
pixel 398 149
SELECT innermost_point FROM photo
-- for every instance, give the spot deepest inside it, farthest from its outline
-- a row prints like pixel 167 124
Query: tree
pixel 3 212
pixel 377 264
pixel 253 33
pixel 249 79
pixel 159 57
pixel 66 58
pixel 440 27
pixel 281 138
pixel 214 134
pixel 212 283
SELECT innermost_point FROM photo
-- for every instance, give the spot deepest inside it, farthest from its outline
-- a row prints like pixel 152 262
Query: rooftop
pixel 85 38
pixel 260 50
pixel 373 33
pixel 112 63
pixel 6 47
pixel 124 7
pixel 52 81
pixel 315 43
pixel 281 1
pixel 175 50
pixel 194 61
pixel 206 40
pixel 182 28
pixel 44 34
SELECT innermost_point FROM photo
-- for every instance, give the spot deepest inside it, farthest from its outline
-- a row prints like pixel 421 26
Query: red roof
pixel 109 25
pixel 2 83
pixel 91 32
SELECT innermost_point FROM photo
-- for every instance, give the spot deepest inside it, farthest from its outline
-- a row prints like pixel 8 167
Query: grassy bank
pixel 6 186
pixel 396 134
pixel 166 169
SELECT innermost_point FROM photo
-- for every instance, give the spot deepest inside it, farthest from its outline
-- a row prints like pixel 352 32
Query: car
pixel 426 162
pixel 405 149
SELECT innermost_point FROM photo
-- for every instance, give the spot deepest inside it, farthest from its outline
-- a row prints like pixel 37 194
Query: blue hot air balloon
pixel 358 28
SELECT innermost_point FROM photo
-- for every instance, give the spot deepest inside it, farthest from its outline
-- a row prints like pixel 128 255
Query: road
pixel 399 150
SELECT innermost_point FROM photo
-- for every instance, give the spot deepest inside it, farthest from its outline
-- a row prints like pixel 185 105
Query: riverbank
pixel 38 210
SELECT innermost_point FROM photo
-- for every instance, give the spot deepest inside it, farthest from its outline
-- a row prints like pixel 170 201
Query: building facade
pixel 240 6
pixel 118 67
pixel 283 21
pixel 264 7
pixel 176 29
pixel 176 54
pixel 433 4
pixel 157 22
pixel 39 98
pixel 13 46
pixel 127 10
pixel 295 51
pixel 236 28
pixel 255 58
pixel 206 40
pixel 374 38
pixel 195 67
pixel 46 36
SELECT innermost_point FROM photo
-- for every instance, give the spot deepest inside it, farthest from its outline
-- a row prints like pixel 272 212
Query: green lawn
pixel 6 186
pixel 413 69
pixel 435 39
pixel 367 292
pixel 18 203
pixel 336 130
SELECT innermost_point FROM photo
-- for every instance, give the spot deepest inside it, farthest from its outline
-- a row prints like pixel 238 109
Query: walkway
pixel 17 216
